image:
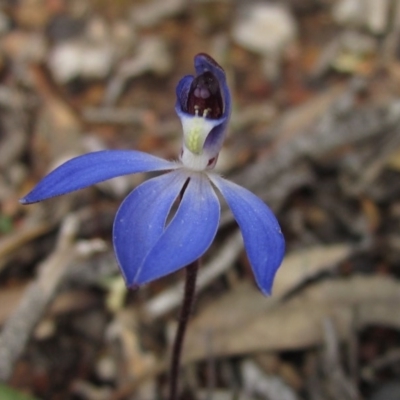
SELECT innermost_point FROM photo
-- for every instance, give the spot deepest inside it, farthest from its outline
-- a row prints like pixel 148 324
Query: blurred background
pixel 315 132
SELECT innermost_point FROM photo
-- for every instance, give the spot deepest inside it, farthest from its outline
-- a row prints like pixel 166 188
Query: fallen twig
pixel 20 325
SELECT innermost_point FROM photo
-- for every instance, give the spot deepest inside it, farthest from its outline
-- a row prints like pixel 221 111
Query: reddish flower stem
pixel 188 298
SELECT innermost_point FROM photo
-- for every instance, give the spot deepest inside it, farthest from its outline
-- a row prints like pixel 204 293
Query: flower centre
pixel 205 98
pixel 205 104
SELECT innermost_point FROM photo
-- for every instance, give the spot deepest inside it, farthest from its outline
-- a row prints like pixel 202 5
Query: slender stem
pixel 190 288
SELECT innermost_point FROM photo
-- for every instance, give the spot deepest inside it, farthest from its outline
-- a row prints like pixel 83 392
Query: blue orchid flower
pixel 147 244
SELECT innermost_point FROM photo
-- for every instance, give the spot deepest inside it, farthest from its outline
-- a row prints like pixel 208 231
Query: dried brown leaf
pixel 295 324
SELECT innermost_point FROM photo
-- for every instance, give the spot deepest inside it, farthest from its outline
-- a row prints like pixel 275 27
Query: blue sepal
pixel 262 235
pixel 141 219
pixel 188 235
pixel 92 168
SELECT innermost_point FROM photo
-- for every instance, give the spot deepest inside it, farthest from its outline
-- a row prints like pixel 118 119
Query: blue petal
pixel 182 93
pixel 262 236
pixel 141 218
pixel 188 235
pixel 92 168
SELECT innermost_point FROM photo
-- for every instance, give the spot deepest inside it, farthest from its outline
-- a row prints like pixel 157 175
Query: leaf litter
pixel 314 133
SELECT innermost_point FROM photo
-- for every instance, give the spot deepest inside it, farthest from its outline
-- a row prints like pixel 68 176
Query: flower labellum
pixel 204 106
pixel 147 244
